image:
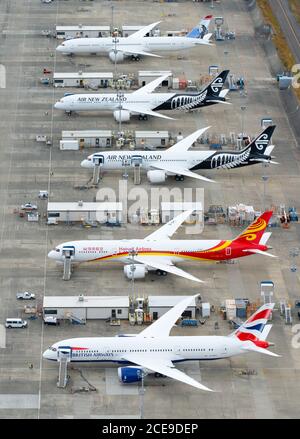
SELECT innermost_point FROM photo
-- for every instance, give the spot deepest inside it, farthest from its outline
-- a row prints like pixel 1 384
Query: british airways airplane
pixel 180 162
pixel 154 350
pixel 157 252
pixel 138 44
pixel 145 103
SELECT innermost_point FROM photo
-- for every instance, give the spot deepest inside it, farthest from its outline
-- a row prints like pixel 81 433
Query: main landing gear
pixel 143 117
pixel 179 177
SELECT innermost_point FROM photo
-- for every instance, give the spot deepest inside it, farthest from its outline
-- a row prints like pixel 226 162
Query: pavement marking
pixel 2 337
pixel 19 401
pixel 114 387
pixel 288 21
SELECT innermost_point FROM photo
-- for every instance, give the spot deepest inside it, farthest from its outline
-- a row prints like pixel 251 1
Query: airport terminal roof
pixel 87 302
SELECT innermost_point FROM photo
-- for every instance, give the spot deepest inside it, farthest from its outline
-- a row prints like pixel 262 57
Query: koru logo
pixel 262 141
pixel 218 83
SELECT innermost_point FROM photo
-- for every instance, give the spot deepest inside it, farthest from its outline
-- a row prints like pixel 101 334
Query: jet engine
pixel 122 115
pixel 156 176
pixel 130 374
pixel 137 271
pixel 116 57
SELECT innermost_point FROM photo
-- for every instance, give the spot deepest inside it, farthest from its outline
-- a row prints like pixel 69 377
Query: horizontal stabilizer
pixel 249 346
pixel 259 252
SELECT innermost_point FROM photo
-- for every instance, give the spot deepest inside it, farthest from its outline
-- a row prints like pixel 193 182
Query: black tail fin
pixel 259 144
pixel 215 86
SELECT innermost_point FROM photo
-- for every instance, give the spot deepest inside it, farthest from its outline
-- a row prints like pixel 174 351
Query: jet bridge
pixel 63 357
pixel 98 160
pixel 136 162
pixel 68 252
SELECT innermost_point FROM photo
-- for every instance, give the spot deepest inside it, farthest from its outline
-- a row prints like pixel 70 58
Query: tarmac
pixel 249 386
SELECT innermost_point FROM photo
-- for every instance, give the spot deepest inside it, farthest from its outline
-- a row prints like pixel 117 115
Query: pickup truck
pixel 25 296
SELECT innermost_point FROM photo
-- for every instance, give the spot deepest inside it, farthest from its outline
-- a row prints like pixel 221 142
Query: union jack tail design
pixel 255 329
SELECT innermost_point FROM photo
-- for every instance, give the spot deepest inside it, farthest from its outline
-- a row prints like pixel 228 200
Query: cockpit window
pixel 57 250
pixel 52 349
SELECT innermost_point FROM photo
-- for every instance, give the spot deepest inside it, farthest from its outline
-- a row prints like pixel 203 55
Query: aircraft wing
pixel 165 367
pixel 181 171
pixel 162 327
pixel 132 50
pixel 151 86
pixel 144 31
pixel 168 230
pixel 165 264
pixel 186 143
pixel 142 109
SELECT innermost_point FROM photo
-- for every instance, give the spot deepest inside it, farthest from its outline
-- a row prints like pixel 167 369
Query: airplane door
pixel 228 251
pixel 136 160
pixel 68 251
pixel 98 159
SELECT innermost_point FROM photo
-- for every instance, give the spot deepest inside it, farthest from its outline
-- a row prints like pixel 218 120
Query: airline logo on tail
pixel 262 141
pixel 217 84
pixel 251 233
pixel 252 329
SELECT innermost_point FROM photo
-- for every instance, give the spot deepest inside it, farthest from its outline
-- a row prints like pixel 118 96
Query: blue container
pixel 241 308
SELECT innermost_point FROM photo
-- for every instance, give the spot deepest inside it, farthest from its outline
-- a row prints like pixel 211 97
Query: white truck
pixel 25 296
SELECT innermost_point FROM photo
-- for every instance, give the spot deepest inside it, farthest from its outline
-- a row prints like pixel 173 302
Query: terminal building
pixel 82 79
pixel 80 31
pixel 94 212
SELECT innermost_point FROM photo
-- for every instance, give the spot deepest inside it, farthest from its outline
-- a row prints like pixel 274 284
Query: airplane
pixel 138 44
pixel 180 162
pixel 144 102
pixel 154 350
pixel 157 252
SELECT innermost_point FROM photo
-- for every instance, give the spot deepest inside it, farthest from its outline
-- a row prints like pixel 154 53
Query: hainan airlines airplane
pixel 157 252
pixel 154 350
pixel 145 103
pixel 137 44
pixel 181 162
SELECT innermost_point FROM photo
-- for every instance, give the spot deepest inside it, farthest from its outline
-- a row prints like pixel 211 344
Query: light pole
pixel 265 179
pixel 294 252
pixel 243 108
pixel 142 393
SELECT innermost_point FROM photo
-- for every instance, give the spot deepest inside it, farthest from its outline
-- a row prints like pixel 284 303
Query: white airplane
pixel 157 252
pixel 144 102
pixel 137 44
pixel 154 350
pixel 181 162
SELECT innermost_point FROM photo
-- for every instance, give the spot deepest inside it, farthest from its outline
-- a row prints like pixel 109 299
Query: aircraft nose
pixel 52 254
pixel 61 48
pixel 48 355
pixel 86 163
pixel 59 105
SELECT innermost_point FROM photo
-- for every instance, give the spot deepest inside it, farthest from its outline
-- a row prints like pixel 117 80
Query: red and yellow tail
pixel 255 231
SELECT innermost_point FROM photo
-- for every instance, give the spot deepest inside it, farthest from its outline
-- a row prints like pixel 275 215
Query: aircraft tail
pixel 201 29
pixel 260 145
pixel 214 88
pixel 253 333
pixel 254 233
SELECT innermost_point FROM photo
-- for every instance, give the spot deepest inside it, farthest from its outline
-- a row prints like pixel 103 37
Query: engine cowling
pixel 130 374
pixel 116 57
pixel 138 271
pixel 156 176
pixel 122 115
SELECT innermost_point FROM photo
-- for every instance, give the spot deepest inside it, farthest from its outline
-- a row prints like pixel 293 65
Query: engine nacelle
pixel 116 57
pixel 122 115
pixel 137 271
pixel 130 374
pixel 156 176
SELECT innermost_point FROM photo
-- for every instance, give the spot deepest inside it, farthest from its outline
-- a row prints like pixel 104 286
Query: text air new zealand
pixel 144 102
